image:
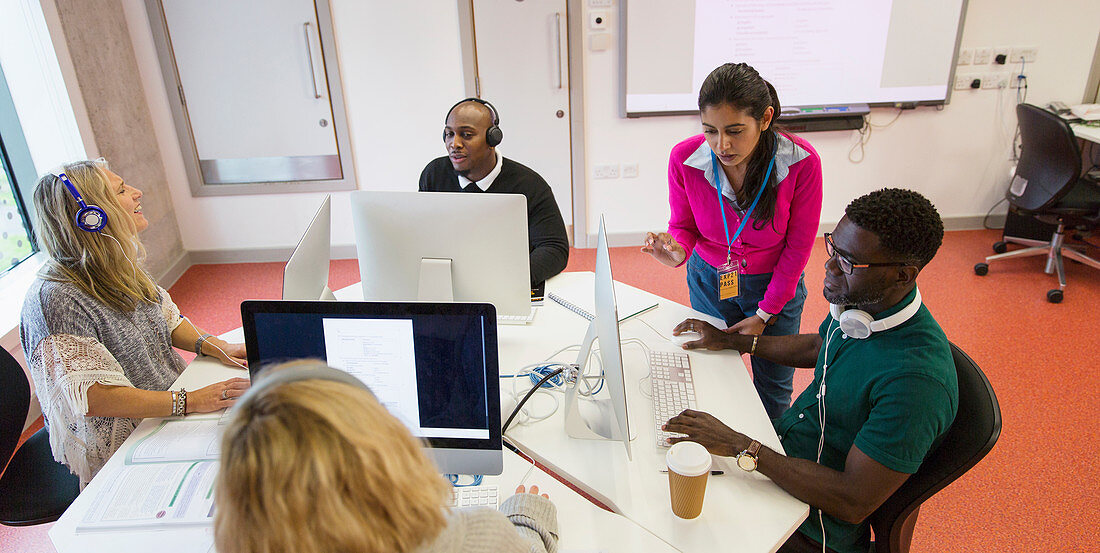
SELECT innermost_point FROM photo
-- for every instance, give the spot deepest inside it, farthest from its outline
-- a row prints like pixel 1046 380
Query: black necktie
pixel 472 187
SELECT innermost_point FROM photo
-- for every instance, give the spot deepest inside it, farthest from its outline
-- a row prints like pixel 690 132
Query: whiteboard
pixel 815 52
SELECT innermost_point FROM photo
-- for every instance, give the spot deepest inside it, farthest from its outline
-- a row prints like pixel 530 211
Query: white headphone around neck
pixel 860 324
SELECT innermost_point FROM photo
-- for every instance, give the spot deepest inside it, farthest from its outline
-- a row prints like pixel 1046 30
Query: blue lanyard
pixel 722 209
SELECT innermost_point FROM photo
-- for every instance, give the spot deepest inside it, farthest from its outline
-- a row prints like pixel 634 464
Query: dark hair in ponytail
pixel 741 86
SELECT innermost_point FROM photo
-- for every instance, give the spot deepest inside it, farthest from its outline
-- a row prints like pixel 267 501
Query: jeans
pixel 774 382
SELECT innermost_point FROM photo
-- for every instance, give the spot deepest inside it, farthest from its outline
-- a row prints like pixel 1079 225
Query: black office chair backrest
pixel 15 400
pixel 976 428
pixel 1050 160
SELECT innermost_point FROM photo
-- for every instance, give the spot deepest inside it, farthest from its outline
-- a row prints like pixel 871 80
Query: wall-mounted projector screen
pixel 815 52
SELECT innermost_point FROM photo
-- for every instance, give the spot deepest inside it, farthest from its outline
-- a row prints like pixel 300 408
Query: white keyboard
pixel 516 319
pixel 475 496
pixel 673 390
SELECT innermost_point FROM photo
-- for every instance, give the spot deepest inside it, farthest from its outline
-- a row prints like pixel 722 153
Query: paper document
pixel 178 440
pixel 168 494
pixel 380 353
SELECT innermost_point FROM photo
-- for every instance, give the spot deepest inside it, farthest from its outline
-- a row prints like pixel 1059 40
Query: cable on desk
pixel 531 392
pixel 454 481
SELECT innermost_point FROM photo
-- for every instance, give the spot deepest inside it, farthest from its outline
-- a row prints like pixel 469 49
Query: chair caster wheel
pixel 981 269
pixel 1054 296
pixel 1000 247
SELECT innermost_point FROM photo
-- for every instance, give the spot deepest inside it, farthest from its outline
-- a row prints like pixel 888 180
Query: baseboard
pixel 175 270
pixel 962 222
pixel 261 255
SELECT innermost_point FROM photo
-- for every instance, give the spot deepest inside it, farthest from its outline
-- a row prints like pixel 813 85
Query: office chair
pixel 33 488
pixel 1048 186
pixel 976 428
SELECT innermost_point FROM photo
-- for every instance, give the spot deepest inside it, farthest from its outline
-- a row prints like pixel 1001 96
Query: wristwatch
pixel 768 318
pixel 747 459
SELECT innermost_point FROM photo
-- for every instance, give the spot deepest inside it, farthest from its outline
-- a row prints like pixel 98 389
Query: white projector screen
pixel 815 52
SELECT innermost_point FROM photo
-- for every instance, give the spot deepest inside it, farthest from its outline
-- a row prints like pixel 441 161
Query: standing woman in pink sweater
pixel 745 247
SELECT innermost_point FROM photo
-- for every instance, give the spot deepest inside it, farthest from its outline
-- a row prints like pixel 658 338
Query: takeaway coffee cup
pixel 688 468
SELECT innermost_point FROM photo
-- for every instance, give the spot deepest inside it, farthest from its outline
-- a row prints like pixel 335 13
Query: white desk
pixel 744 511
pixel 583 526
pixel 1086 132
pixel 747 510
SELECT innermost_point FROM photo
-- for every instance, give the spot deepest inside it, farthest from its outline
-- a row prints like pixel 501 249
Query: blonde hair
pixel 93 261
pixel 318 466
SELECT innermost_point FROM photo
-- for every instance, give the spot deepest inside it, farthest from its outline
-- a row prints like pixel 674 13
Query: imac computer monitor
pixel 439 247
pixel 433 366
pixel 601 418
pixel 305 276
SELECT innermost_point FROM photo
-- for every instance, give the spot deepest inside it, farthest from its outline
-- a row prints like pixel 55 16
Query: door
pixel 255 91
pixel 523 69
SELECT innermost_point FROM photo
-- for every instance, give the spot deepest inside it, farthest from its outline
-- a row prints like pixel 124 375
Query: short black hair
pixel 906 223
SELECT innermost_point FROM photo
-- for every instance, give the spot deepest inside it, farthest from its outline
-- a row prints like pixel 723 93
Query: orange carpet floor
pixel 1037 489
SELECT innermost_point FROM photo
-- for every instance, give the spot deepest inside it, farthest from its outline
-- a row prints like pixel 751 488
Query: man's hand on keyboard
pixel 711 338
pixel 707 431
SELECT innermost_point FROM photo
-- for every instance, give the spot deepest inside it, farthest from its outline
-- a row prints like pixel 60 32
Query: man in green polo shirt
pixel 884 388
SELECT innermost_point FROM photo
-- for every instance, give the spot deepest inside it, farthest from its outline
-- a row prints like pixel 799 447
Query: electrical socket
pixel 966 56
pixel 1014 80
pixel 630 170
pixel 982 56
pixel 599 3
pixel 606 171
pixel 963 80
pixel 1001 51
pixel 997 79
pixel 1028 53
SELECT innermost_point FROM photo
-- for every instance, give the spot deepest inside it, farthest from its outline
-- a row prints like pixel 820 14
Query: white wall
pixel 957 157
pixel 401 66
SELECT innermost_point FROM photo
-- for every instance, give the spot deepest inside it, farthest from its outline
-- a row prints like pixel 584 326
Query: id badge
pixel 727 281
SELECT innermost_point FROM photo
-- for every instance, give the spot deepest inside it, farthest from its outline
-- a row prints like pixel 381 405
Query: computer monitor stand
pixel 591 419
pixel 435 280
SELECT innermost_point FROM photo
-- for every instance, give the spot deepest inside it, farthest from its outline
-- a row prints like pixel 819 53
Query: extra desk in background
pixel 741 508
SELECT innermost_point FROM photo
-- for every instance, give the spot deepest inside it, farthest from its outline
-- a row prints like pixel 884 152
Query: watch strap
pixel 199 342
pixel 768 318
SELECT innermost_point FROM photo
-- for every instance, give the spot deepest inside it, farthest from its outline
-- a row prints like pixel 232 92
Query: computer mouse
pixel 685 337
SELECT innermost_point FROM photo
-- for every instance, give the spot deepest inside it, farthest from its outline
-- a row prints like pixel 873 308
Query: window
pixel 16 243
pixel 17 177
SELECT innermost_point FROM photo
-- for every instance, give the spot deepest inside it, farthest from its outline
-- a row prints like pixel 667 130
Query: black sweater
pixel 546 237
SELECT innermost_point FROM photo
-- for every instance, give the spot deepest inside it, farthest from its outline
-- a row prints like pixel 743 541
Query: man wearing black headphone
pixel 473 164
pixel 885 387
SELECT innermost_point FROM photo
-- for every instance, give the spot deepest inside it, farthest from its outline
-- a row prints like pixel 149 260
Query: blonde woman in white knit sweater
pixel 96 329
pixel 313 465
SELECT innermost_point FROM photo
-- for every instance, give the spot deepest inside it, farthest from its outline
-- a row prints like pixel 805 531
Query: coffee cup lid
pixel 688 459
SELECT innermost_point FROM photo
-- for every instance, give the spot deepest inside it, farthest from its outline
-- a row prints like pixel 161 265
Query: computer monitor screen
pixel 603 417
pixel 434 366
pixel 439 246
pixel 305 276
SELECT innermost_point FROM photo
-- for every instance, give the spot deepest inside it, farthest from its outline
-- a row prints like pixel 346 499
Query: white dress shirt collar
pixel 486 182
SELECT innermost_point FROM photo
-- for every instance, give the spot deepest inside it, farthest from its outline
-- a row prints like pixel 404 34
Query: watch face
pixel 746 462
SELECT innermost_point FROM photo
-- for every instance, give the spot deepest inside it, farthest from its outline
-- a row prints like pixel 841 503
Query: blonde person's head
pixel 319 466
pixel 105 264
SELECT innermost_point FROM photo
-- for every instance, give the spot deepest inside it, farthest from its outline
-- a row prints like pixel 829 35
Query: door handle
pixel 557 50
pixel 309 55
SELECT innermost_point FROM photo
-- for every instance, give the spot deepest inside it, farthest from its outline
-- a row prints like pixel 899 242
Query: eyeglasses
pixel 845 264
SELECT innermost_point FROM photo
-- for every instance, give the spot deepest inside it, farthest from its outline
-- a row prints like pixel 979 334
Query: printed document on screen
pixel 380 353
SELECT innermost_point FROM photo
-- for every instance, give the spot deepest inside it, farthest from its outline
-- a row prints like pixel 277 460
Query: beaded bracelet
pixel 179 403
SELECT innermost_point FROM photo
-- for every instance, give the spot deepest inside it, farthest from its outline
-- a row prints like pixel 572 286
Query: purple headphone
pixel 90 218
